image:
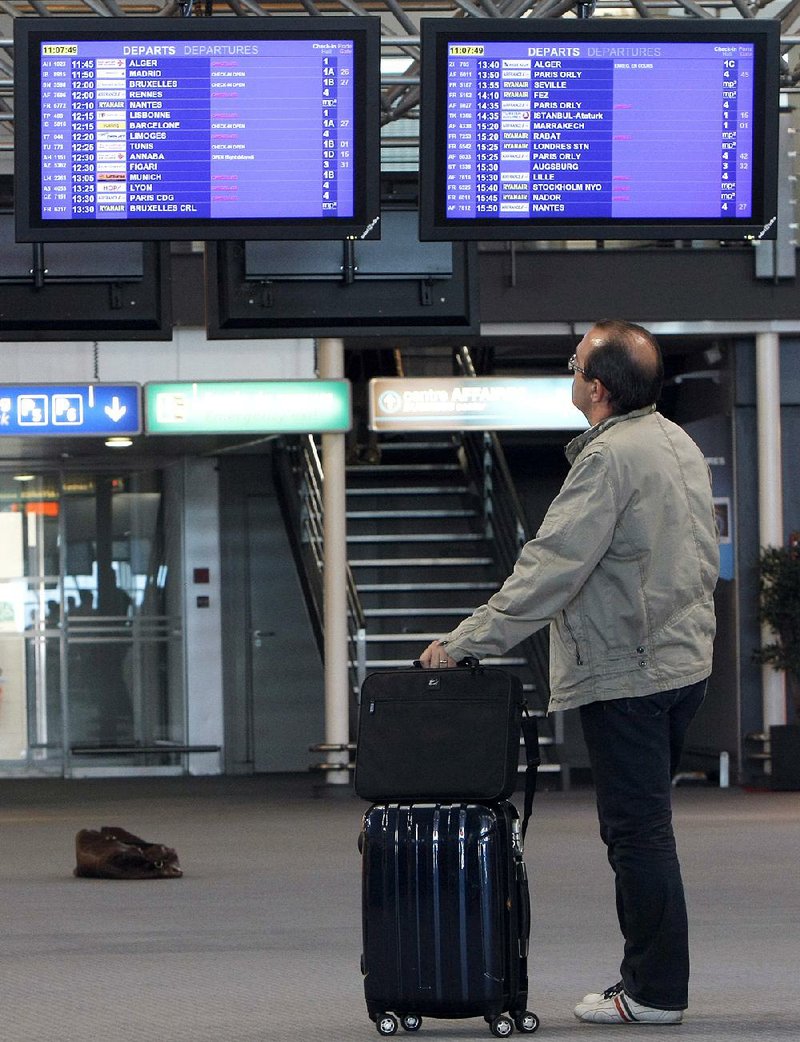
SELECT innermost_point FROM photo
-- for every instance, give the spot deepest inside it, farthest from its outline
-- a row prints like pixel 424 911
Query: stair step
pixel 387 663
pixel 379 638
pixel 415 446
pixel 408 490
pixel 396 587
pixel 411 562
pixel 376 613
pixel 363 515
pixel 392 663
pixel 419 638
pixel 417 537
pixel 403 468
pixel 543 740
pixel 504 660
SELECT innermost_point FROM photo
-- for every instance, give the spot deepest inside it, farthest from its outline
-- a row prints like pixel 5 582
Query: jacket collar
pixel 577 445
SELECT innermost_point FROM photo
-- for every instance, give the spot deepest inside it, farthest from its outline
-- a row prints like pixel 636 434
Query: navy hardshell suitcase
pixel 446 915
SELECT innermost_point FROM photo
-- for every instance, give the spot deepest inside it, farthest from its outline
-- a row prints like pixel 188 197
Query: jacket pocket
pixel 573 638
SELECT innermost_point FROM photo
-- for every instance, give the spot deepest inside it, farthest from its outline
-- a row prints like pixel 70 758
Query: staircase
pixel 421 559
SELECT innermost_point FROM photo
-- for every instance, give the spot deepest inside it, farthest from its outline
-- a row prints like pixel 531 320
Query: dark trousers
pixel 634 748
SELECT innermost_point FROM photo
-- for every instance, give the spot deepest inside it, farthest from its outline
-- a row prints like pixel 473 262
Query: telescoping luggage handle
pixel 530 736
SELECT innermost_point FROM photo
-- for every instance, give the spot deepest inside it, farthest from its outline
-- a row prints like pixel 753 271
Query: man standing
pixel 624 568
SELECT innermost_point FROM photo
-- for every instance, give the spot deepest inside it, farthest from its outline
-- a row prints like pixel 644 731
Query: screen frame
pixel 437 34
pixel 29 33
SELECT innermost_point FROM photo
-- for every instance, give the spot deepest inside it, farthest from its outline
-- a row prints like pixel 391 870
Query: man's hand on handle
pixel 435 657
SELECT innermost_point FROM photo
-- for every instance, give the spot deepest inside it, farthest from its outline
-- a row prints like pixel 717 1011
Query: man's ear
pixel 600 393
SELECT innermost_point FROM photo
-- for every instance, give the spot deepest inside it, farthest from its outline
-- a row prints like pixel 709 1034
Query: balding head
pixel 626 359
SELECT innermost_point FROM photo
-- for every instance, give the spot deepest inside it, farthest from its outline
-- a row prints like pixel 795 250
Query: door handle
pixel 256 636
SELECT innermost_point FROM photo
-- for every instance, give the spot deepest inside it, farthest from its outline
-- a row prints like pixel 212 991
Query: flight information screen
pixel 599 129
pixel 189 128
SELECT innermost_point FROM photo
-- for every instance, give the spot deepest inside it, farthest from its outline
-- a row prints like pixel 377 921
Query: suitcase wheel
pixel 411 1022
pixel 526 1021
pixel 387 1024
pixel 502 1027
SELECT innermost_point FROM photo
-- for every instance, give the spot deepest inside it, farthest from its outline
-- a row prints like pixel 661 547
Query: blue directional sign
pixel 70 410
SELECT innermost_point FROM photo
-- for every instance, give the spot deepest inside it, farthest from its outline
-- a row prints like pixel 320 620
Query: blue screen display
pixel 189 129
pixel 599 129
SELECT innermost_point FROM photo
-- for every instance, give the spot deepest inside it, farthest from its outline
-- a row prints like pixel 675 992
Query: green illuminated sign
pixel 248 407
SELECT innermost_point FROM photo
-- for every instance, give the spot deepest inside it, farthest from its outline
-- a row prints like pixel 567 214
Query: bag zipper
pixel 428 699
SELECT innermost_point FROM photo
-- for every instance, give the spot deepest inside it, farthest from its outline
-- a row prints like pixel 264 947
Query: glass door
pixel 31 692
pixel 91 661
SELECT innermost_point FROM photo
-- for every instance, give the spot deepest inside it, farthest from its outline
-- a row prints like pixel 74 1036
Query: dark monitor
pixel 603 128
pixel 148 128
pixel 356 290
pixel 123 293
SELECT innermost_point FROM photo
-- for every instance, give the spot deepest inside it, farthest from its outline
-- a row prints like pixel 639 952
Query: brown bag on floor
pixel 113 853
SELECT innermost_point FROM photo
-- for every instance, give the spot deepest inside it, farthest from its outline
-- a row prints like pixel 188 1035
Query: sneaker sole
pixel 619 1010
pixel 599 1018
pixel 613 1016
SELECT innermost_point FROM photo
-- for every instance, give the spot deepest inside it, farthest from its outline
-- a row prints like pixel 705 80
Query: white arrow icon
pixel 116 410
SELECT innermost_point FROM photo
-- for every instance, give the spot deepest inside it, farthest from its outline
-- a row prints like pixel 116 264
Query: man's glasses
pixel 573 366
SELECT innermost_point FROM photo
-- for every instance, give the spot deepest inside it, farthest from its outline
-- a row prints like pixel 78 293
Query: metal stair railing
pixel 506 525
pixel 301 479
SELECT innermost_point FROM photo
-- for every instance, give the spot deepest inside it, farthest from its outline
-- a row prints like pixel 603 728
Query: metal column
pixel 337 723
pixel 770 496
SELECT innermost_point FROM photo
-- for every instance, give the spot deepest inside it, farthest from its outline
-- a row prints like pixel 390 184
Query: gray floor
pixel 260 939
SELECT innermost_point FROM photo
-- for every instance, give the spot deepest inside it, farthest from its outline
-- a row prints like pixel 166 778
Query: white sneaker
pixel 615 1007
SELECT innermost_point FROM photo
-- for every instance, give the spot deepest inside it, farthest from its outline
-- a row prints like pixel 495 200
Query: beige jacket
pixel 624 567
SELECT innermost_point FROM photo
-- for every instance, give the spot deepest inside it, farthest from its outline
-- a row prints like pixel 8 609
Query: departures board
pixel 599 128
pixel 231 126
pixel 183 127
pixel 576 129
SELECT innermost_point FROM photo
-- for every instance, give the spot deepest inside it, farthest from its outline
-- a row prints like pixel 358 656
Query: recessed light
pixel 24 477
pixel 119 443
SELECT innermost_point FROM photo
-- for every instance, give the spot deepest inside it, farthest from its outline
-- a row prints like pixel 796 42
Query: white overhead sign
pixel 535 403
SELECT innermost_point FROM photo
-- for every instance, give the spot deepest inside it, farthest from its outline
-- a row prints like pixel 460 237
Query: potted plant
pixel 779 607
